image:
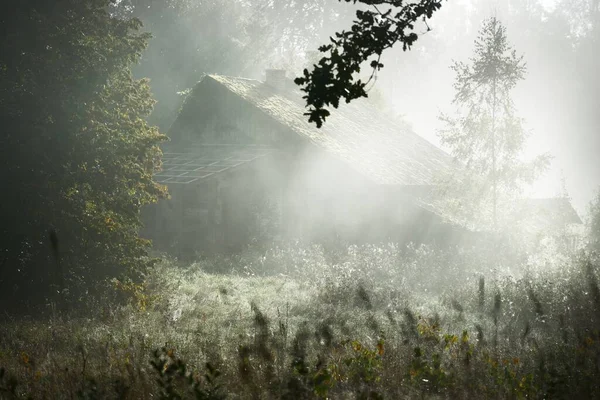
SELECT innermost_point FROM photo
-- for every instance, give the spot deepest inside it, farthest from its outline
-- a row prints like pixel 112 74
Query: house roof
pixel 544 213
pixel 357 133
pixel 191 164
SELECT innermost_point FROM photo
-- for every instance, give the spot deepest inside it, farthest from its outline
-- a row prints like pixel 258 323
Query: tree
pixel 191 38
pixel 77 156
pixel 373 31
pixel 594 223
pixel 231 37
pixel 486 134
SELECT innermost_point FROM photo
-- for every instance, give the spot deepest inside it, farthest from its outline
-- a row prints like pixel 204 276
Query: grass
pixel 301 322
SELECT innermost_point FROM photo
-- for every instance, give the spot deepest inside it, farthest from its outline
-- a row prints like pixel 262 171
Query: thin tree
pixel 485 132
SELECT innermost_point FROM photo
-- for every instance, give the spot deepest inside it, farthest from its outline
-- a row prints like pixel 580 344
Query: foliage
pixel 594 223
pixel 8 385
pixel 373 31
pixel 77 154
pixel 172 371
pixel 137 293
pixel 295 336
pixel 227 37
pixel 487 135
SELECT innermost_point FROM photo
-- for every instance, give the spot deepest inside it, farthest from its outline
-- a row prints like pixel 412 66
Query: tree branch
pixel 333 77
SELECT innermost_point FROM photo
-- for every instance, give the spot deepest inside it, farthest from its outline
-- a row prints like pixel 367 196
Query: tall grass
pixel 300 322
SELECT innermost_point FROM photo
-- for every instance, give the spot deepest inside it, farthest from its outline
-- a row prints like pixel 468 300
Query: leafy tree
pixel 194 37
pixel 486 134
pixel 373 31
pixel 594 223
pixel 77 156
pixel 231 37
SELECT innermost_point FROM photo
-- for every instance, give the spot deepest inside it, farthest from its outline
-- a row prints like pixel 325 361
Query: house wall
pixel 221 213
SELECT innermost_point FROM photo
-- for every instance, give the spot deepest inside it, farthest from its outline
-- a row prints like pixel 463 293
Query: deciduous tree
pixel 76 154
pixel 485 133
pixel 376 29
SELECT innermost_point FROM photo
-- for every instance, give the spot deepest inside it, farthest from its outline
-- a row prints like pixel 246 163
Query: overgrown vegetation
pixel 358 323
pixel 77 156
pixel 293 321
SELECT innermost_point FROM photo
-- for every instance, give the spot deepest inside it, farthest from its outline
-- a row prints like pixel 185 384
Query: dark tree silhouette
pixel 76 155
pixel 373 31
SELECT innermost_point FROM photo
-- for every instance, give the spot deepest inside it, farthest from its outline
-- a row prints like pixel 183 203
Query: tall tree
pixel 594 223
pixel 191 38
pixel 76 154
pixel 486 134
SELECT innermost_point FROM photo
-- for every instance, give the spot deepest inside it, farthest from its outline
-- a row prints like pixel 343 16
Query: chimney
pixel 276 78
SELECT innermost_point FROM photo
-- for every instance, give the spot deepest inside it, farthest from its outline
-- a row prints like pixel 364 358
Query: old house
pixel 243 163
pixel 550 219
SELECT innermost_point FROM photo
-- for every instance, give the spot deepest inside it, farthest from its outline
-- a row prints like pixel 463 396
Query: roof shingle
pixel 357 133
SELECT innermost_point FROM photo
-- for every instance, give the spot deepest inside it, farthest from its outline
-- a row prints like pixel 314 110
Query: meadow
pixel 303 322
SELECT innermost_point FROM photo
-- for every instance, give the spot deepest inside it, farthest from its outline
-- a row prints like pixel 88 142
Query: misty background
pixel 558 99
pixel 253 255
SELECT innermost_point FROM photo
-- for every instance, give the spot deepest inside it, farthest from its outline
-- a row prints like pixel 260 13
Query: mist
pixel 417 85
pixel 311 199
pixel 556 106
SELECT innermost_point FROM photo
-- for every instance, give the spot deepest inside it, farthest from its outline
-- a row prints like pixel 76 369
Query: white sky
pixel 549 4
pixel 422 111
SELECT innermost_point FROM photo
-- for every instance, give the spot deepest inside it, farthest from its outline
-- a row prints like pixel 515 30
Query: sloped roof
pixel 191 164
pixel 357 133
pixel 544 213
pixel 534 214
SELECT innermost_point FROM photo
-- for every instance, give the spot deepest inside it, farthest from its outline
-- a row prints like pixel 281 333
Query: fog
pixel 556 106
pixel 556 100
pixel 555 38
pixel 173 225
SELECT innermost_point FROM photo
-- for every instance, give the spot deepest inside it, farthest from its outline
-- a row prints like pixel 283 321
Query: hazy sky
pixel 549 4
pixel 537 101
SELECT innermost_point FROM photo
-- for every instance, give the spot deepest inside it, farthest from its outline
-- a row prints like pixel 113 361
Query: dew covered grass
pixel 305 322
